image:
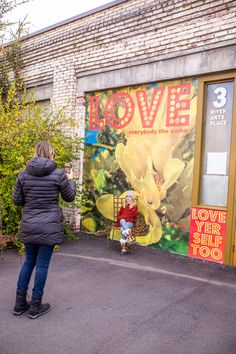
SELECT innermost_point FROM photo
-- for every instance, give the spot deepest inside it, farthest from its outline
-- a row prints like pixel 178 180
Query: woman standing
pixel 37 190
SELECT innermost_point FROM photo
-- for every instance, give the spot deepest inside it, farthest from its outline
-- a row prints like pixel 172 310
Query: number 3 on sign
pixel 221 97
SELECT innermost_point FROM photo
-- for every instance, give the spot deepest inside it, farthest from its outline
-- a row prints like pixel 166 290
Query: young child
pixel 126 219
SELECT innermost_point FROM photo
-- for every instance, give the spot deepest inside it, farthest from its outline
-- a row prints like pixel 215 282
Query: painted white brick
pixel 133 31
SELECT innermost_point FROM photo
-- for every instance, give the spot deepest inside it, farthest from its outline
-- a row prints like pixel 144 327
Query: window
pixel 216 142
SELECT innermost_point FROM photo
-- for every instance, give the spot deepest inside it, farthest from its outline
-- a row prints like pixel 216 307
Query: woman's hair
pixel 44 149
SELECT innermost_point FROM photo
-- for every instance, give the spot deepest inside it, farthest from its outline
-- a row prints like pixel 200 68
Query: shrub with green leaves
pixel 23 123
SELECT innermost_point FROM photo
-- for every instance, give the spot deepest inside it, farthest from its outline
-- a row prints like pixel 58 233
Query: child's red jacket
pixel 129 214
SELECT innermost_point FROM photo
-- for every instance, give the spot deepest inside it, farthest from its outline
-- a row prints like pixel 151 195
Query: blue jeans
pixel 126 224
pixel 39 256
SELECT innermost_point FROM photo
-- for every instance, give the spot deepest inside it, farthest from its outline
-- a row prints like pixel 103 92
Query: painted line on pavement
pixel 136 266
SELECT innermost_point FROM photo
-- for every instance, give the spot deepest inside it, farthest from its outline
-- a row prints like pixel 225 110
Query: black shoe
pixel 37 308
pixel 21 304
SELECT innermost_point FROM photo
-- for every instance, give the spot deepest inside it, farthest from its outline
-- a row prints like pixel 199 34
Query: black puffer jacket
pixel 37 189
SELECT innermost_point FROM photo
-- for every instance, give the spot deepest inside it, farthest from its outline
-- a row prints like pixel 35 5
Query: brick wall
pixel 128 33
pixel 136 30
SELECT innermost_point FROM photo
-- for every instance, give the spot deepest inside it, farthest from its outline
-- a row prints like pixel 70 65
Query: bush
pixel 23 123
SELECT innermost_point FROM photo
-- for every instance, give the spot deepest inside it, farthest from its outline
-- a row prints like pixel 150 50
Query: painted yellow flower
pixel 180 199
pixel 150 173
pixel 89 224
pixel 105 205
pixel 150 161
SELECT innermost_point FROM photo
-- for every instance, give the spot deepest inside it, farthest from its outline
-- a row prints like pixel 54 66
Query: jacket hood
pixel 40 166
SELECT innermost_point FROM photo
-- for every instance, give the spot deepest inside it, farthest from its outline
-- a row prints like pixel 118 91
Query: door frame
pixel 230 241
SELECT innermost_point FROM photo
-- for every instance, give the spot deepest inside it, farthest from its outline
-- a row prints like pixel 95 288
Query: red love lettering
pixel 148 112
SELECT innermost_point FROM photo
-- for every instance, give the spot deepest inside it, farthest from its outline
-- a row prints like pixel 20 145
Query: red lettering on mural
pixel 94 122
pixel 175 104
pixel 212 215
pixel 148 112
pixel 125 100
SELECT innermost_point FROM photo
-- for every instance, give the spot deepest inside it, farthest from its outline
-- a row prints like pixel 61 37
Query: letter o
pixel 203 214
pixel 204 251
pixel 110 112
pixel 216 254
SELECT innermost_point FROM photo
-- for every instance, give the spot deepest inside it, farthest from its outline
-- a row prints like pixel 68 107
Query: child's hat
pixel 130 194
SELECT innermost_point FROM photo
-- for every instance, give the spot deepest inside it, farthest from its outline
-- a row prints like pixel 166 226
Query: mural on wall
pixel 142 138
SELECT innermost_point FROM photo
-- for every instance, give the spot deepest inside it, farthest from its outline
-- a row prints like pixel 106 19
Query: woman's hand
pixel 69 172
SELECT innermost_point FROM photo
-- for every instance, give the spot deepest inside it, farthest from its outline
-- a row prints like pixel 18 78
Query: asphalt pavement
pixel 150 302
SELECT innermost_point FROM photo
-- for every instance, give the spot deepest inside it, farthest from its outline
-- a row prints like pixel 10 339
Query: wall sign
pixel 207 234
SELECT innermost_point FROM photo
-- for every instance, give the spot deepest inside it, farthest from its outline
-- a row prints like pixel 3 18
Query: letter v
pixel 148 113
